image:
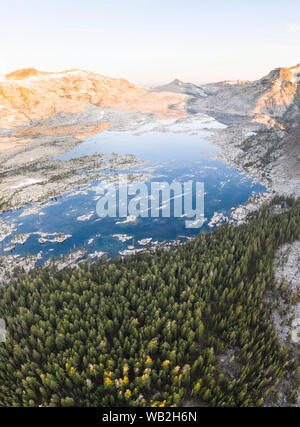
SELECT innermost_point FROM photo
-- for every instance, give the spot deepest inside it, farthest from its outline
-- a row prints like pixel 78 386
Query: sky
pixel 151 41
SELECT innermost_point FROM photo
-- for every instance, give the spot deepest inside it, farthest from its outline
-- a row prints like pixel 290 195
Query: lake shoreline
pixel 219 134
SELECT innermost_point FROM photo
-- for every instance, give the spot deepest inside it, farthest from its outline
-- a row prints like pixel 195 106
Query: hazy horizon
pixel 150 43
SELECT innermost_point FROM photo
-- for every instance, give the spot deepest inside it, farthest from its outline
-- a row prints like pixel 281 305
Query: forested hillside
pixel 150 329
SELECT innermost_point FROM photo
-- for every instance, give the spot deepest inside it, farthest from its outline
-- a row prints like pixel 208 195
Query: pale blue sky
pixel 151 41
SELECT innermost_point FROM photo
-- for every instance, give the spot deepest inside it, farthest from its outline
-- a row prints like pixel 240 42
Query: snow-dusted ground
pixel 286 316
pixel 5 229
pixel 26 183
pixel 9 263
pixel 262 156
pixel 190 124
pixel 287 269
pixel 67 260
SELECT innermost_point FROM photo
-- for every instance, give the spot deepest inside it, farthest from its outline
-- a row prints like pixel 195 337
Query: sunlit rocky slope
pixel 33 95
pixel 43 115
pixel 273 99
pixel 29 96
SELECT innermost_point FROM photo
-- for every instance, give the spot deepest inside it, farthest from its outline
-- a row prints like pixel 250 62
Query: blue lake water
pixel 168 156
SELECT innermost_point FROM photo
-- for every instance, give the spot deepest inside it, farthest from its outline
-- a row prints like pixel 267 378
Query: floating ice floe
pixel 9 248
pixel 130 218
pixel 144 242
pixel 20 238
pixel 122 237
pixel 85 217
pixel 58 238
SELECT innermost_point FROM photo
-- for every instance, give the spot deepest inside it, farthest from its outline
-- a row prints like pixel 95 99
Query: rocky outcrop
pixel 282 95
pixel 272 100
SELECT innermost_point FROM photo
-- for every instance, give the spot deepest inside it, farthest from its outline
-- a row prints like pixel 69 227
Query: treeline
pixel 150 329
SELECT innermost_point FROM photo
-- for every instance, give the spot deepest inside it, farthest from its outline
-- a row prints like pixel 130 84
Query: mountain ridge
pixel 29 94
pixel 274 98
pixel 72 102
